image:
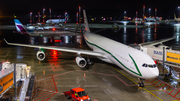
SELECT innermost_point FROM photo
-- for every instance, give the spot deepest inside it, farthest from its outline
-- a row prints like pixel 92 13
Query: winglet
pixel 5 40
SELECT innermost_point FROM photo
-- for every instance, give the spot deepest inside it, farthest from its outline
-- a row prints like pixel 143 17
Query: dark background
pixel 94 8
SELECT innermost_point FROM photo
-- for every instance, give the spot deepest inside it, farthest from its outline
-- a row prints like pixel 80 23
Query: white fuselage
pixel 177 19
pixel 126 57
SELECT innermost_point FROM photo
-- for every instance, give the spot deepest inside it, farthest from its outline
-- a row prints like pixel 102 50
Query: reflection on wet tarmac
pixel 64 40
pixel 62 66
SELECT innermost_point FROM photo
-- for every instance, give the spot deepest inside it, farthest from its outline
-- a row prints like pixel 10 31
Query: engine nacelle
pixel 40 55
pixel 81 62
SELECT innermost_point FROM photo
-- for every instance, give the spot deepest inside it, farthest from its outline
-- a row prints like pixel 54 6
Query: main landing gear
pixel 89 61
pixel 140 84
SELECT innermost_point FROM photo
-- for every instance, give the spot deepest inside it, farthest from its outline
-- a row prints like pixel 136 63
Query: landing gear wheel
pixel 140 84
pixel 89 61
pixel 67 96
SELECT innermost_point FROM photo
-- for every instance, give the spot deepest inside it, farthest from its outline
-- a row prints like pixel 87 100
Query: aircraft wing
pixel 65 49
pixel 156 42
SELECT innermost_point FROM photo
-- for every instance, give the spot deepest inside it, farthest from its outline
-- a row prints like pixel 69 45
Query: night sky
pixel 165 8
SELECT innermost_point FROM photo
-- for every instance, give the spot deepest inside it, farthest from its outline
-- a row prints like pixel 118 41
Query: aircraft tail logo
pixel 20 28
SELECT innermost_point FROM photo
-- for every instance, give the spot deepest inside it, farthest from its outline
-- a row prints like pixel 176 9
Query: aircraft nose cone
pixel 155 72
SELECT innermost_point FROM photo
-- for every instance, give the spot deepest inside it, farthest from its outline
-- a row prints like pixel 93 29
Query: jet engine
pixel 81 62
pixel 40 55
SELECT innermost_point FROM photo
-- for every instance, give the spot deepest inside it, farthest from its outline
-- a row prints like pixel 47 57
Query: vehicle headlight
pixel 89 99
pixel 81 99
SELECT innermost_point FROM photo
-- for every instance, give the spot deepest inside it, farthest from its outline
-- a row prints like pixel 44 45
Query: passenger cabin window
pixel 149 65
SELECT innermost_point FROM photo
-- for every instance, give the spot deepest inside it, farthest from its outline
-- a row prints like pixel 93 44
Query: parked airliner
pixel 133 61
pixel 22 30
pixel 176 19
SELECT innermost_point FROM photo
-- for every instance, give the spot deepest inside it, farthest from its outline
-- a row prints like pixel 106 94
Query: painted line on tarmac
pixel 8 53
pixel 150 86
pixel 124 75
pixel 55 87
pixel 90 72
pixel 137 83
pixel 56 75
pixel 152 94
pixel 155 90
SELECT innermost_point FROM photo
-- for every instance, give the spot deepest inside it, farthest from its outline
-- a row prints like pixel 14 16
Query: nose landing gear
pixel 140 84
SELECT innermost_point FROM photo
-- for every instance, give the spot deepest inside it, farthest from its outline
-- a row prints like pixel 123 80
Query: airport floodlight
pixel 149 12
pixel 125 13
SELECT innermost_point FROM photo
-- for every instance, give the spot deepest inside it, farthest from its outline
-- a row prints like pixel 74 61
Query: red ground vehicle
pixel 77 94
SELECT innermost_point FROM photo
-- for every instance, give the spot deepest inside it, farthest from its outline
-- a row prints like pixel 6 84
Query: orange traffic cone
pixel 44 72
pixel 84 75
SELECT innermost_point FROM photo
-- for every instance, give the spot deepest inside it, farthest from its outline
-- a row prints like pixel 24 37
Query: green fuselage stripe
pixel 139 73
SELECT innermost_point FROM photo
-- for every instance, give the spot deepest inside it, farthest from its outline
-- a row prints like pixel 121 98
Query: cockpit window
pixel 149 65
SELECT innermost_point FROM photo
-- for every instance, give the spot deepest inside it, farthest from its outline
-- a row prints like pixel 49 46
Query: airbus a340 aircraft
pixel 22 30
pixel 129 59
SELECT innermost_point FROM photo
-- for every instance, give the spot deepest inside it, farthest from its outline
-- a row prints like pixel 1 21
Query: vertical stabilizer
pixel 86 22
pixel 175 16
pixel 19 27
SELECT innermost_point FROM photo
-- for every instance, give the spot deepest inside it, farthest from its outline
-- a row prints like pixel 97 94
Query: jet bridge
pixel 7 77
pixel 171 57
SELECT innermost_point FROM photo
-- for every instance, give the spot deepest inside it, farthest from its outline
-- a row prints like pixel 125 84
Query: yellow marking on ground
pixel 134 78
pixel 150 86
pixel 124 75
pixel 155 90
pixel 169 89
pixel 152 94
pixel 137 83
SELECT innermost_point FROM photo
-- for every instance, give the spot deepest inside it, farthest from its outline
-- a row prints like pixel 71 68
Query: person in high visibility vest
pixel 75 93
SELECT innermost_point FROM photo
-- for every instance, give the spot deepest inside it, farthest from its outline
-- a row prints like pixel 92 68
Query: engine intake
pixel 40 55
pixel 81 62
